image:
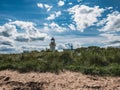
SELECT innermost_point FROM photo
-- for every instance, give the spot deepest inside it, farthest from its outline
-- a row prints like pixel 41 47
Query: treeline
pixel 87 60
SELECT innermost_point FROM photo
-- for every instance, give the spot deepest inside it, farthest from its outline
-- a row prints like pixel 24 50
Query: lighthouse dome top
pixel 52 38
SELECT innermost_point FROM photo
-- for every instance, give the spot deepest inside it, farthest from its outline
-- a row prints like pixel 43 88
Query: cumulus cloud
pixel 84 16
pixel 111 39
pixel 78 41
pixel 32 47
pixel 79 0
pixel 68 45
pixel 19 31
pixel 25 26
pixel 46 6
pixel 22 38
pixel 40 5
pixel 70 3
pixel 7 30
pixel 61 46
pixel 72 27
pixel 61 3
pixel 30 32
pixel 109 8
pixel 110 28
pixel 9 20
pixel 115 42
pixel 73 45
pixel 54 27
pixel 53 16
pixel 7 49
pixel 107 35
pixel 112 22
pixel 64 46
pixel 101 23
pixel 6 41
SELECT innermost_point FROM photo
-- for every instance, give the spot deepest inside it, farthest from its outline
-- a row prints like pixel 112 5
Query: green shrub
pixel 66 57
pixel 98 60
pixel 91 60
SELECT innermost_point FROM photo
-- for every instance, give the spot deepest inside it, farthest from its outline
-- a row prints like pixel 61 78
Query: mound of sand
pixel 12 80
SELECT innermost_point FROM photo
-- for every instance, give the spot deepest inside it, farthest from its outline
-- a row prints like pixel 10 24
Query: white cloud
pixel 78 41
pixel 110 28
pixel 32 47
pixel 7 30
pixel 72 27
pixel 7 49
pixel 29 30
pixel 46 6
pixel 70 3
pixel 109 8
pixel 61 3
pixel 68 45
pixel 76 45
pixel 85 16
pixel 22 38
pixel 7 45
pixel 23 25
pixel 53 28
pixel 112 22
pixel 53 16
pixel 40 5
pixel 107 35
pixel 61 46
pixel 16 32
pixel 58 13
pixel 56 27
pixel 111 39
pixel 9 20
pixel 101 23
pixel 113 45
pixel 79 0
pixel 6 41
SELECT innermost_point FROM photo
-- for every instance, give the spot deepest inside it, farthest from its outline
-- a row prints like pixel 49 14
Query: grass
pixel 92 60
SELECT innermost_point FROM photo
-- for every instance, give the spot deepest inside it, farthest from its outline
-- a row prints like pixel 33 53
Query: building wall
pixel 52 48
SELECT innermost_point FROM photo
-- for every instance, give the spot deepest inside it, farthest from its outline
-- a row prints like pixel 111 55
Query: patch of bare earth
pixel 12 80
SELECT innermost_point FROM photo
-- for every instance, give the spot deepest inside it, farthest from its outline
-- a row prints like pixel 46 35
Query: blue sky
pixel 29 24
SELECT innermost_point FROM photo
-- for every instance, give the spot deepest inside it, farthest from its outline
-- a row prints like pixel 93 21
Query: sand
pixel 13 80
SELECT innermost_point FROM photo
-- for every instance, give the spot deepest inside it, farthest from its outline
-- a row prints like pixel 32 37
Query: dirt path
pixel 12 80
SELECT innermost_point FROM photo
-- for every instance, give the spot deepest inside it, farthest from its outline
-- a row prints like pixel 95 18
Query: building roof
pixel 52 38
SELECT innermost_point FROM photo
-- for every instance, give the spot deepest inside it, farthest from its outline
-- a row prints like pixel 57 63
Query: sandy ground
pixel 12 80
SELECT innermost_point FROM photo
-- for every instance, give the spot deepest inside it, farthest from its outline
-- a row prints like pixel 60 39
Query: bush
pixel 98 60
pixel 66 57
pixel 91 60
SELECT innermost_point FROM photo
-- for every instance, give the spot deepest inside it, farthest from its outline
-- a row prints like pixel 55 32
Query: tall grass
pixel 92 60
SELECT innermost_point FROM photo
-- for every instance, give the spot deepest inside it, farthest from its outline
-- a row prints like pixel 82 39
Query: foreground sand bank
pixel 12 80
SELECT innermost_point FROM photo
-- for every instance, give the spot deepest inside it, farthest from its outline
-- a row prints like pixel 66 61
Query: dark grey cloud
pixel 7 49
pixel 5 34
pixel 115 42
pixel 22 39
pixel 6 43
pixel 37 38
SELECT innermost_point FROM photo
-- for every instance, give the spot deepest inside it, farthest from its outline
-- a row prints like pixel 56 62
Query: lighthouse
pixel 52 44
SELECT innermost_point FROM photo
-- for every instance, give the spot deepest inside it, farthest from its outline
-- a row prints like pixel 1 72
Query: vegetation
pixel 91 60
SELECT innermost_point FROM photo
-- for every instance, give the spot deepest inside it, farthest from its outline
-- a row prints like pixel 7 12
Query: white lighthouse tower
pixel 52 44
